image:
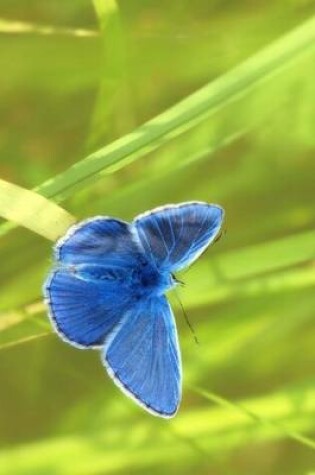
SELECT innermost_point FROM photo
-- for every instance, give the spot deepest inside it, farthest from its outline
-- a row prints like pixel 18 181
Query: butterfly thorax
pixel 148 281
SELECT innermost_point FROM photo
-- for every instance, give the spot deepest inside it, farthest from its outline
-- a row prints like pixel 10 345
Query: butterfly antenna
pixel 187 319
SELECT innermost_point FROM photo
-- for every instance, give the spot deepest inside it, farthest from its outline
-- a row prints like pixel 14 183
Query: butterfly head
pixel 176 280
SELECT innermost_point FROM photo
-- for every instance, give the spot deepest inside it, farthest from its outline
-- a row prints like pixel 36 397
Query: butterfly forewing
pixel 99 241
pixel 174 236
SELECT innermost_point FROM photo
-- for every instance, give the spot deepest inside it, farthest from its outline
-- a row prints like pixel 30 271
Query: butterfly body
pixel 149 282
pixel 107 291
pixel 144 281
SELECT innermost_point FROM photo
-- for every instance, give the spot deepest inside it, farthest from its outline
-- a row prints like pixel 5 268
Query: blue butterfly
pixel 107 291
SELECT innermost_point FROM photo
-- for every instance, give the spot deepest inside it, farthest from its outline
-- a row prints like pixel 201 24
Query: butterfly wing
pixel 84 311
pixel 174 236
pixel 100 240
pixel 142 356
pixel 88 292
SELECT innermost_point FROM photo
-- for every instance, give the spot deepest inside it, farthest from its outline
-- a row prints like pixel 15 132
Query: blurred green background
pixel 76 76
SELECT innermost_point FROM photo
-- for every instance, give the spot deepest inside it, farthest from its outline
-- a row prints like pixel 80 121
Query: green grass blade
pixel 220 290
pixel 23 340
pixel 112 115
pixel 184 115
pixel 188 112
pixel 243 409
pixel 21 27
pixel 268 256
pixel 33 211
pixel 23 325
pixel 222 276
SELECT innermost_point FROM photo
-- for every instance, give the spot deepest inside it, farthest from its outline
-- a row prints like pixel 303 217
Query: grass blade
pixel 184 115
pixel 188 112
pixel 21 27
pixel 33 211
pixel 112 113
pixel 222 276
pixel 243 409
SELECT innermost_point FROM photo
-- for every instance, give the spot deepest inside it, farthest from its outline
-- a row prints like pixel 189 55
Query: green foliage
pixel 122 85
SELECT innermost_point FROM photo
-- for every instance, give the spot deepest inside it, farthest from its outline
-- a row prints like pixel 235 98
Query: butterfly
pixel 107 290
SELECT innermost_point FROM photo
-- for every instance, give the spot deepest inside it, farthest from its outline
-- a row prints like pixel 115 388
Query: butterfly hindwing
pixel 143 357
pixel 83 310
pixel 174 236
